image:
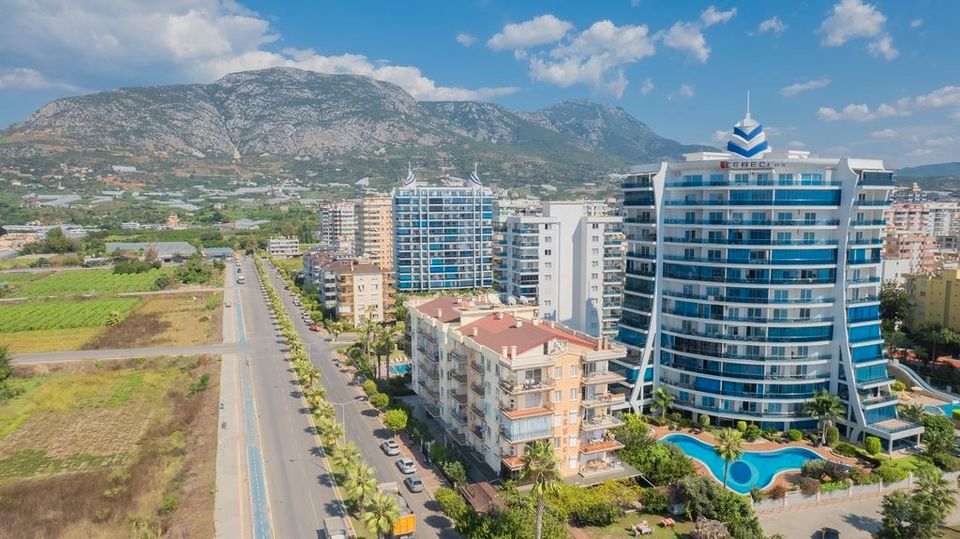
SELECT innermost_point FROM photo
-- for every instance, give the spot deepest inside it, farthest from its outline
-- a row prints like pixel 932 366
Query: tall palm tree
pixel 540 466
pixel 912 411
pixel 936 491
pixel 825 407
pixel 381 514
pixel 387 338
pixel 331 434
pixel 662 401
pixel 361 484
pixel 346 455
pixel 729 447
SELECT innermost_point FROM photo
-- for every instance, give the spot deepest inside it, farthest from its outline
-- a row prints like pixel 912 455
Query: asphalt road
pixel 362 423
pixel 299 490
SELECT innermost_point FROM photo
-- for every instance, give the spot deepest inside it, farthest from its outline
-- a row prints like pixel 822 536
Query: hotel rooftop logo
pixel 748 139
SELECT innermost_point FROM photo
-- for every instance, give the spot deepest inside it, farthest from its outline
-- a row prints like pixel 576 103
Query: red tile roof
pixel 445 309
pixel 495 333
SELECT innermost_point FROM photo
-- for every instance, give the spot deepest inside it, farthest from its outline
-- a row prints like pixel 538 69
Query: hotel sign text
pixel 751 164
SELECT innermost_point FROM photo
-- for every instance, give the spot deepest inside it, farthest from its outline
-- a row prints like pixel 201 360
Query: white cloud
pixel 794 89
pixel 941 141
pixel 537 31
pixel 773 24
pixel 712 16
pixel 859 113
pixel 183 40
pixel 883 47
pixel 884 133
pixel 720 135
pixel 25 78
pixel 465 39
pixel 686 36
pixel 947 97
pixel 796 145
pixel 916 23
pixel 685 91
pixel 647 86
pixel 595 57
pixel 944 97
pixel 852 19
pixel 920 152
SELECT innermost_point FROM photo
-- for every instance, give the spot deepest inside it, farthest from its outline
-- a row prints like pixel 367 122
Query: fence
pixel 796 499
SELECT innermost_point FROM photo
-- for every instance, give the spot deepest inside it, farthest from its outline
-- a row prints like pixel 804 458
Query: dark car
pixel 829 533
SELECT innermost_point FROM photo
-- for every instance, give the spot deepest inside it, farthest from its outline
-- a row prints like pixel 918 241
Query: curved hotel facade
pixel 752 282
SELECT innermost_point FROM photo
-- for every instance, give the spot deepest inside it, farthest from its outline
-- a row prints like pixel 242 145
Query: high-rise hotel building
pixel 442 236
pixel 753 282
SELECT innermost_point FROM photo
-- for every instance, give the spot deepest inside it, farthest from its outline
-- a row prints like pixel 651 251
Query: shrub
pixel 898 386
pixel 757 495
pixel 956 414
pixel 741 425
pixel 836 471
pixel 451 504
pixel 833 436
pixel 814 469
pixel 872 445
pixel 440 453
pixel 379 400
pixel 704 420
pixel 592 508
pixel 171 501
pixel 795 435
pixel 162 282
pixel 114 318
pixel 809 486
pixel 846 450
pixel 369 387
pixel 751 433
pixel 653 500
pixel 945 461
pixel 889 473
pixel 858 476
pixel 777 492
pixel 200 384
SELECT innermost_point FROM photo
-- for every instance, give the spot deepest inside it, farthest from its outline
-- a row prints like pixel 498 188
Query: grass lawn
pixel 99 281
pixel 91 449
pixel 908 463
pixel 168 320
pixel 62 314
pixel 48 340
pixel 294 264
pixel 621 528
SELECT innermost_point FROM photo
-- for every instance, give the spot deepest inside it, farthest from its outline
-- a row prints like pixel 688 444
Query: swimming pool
pixel 398 370
pixel 755 469
pixel 945 409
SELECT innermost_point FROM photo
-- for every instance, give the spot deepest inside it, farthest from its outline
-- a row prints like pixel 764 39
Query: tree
pixel 386 341
pixel 395 420
pixel 825 408
pixel 379 400
pixel 5 369
pixel 920 513
pixel 367 334
pixel 336 328
pixel 455 472
pixel 662 402
pixel 937 433
pixel 540 466
pixel 935 337
pixel 912 411
pixel 894 305
pixel 361 484
pixel 346 456
pixel 451 504
pixel 381 514
pixel 400 310
pixel 729 447
pixel 114 318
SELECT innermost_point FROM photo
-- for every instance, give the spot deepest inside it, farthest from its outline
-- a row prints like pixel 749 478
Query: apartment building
pixel 935 298
pixel 283 247
pixel 375 230
pixel 918 250
pixel 442 236
pixel 338 226
pixel 908 217
pixel 752 282
pixel 569 260
pixel 355 291
pixel 497 378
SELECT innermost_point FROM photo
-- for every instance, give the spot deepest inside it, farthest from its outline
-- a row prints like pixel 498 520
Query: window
pixel 572 440
pixel 558 372
pixel 572 417
pixel 548 239
pixel 557 421
pixel 596 226
pixel 573 371
pixel 594 276
pixel 595 264
pixel 547 252
pixel 557 396
pixel 548 277
pixel 572 463
pixel 548 265
pixel 595 239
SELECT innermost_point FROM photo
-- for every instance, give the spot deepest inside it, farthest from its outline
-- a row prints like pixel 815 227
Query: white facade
pixel 338 226
pixel 569 260
pixel 283 247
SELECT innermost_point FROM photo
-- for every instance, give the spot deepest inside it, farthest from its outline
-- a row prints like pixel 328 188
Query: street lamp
pixel 343 406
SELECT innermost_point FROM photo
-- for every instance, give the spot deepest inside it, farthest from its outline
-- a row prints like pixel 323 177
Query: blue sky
pixel 840 77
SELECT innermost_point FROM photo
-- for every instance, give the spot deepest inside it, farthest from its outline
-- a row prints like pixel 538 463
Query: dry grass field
pixel 110 449
pixel 167 320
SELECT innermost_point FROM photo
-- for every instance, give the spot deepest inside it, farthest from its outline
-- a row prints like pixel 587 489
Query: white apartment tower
pixel 569 260
pixel 338 226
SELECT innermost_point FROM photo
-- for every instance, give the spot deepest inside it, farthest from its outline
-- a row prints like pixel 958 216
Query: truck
pixel 406 523
pixel 335 528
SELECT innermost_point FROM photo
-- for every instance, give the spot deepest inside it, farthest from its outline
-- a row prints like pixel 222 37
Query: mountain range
pixel 354 121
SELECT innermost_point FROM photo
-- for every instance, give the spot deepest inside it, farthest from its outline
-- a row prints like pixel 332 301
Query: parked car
pixel 414 483
pixel 406 466
pixel 390 447
pixel 314 327
pixel 829 533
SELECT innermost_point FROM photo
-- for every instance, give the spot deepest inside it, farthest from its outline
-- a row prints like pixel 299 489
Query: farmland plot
pixel 62 314
pixel 92 282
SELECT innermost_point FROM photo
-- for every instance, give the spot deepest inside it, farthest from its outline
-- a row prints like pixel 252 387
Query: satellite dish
pixel 493 298
pixel 524 300
pixel 511 300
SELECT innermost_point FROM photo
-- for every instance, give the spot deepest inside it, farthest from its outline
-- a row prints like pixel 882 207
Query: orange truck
pixel 406 523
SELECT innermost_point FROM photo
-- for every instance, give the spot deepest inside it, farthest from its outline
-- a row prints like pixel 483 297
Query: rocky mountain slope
pixel 291 112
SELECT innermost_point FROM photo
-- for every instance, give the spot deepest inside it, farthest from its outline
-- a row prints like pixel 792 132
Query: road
pixel 363 425
pixel 124 353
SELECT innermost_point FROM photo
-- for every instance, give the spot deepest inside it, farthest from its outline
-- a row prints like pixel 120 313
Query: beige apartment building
pixel 498 378
pixel 935 299
pixel 357 290
pixel 375 231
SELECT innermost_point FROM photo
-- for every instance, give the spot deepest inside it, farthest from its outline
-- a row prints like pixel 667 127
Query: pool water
pixel 754 469
pixel 398 370
pixel 946 409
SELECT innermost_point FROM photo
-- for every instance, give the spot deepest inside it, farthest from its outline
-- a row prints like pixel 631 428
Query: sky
pixel 839 78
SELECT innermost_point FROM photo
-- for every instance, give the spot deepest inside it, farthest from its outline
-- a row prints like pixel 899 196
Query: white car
pixel 406 466
pixel 390 448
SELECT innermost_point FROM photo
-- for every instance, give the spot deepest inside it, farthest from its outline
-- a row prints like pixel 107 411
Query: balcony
pixel 741 241
pixel 432 373
pixel 600 466
pixel 460 398
pixel 525 436
pixel 754 222
pixel 600 446
pixel 459 416
pixel 753 262
pixel 478 411
pixel 600 422
pixel 427 337
pixel 459 377
pixel 516 387
pixel 478 389
pixel 604 399
pixel 601 377
pixel 477 431
pixel 477 367
pixel 514 413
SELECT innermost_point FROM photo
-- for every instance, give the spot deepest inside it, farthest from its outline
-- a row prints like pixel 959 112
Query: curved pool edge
pixel 773 478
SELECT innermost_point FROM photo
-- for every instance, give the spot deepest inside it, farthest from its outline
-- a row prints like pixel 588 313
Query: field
pixel 168 320
pixel 110 449
pixel 62 314
pixel 101 281
pixel 48 340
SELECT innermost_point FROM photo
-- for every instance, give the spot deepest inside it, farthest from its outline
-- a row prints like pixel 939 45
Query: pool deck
pixel 787 479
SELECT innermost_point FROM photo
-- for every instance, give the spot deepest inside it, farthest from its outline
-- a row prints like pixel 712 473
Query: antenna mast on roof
pixel 748 103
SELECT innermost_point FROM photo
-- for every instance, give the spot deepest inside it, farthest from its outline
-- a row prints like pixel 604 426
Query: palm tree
pixel 912 411
pixel 540 466
pixel 381 514
pixel 387 339
pixel 730 448
pixel 345 455
pixel 936 490
pixel 662 401
pixel 825 407
pixel 361 484
pixel 331 433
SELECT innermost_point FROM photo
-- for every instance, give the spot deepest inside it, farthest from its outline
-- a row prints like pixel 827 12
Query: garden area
pixel 108 449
